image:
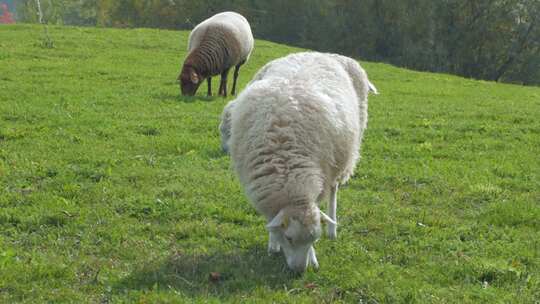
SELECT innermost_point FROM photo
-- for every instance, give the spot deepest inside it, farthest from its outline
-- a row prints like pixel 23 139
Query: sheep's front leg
pixel 209 81
pixel 313 258
pixel 223 85
pixel 273 244
pixel 332 208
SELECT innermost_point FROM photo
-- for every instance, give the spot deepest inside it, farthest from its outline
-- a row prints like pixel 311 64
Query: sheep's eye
pixel 289 239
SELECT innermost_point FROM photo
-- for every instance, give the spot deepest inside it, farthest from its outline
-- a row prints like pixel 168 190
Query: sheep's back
pixel 234 27
pixel 296 114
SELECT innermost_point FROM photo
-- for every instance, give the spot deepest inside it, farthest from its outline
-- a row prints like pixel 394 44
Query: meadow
pixel 114 189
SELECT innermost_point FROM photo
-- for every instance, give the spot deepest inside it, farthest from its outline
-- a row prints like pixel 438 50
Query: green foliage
pixel 59 11
pixel 494 40
pixel 113 188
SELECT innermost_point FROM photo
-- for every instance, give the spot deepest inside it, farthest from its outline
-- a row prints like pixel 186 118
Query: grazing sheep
pixel 294 135
pixel 215 45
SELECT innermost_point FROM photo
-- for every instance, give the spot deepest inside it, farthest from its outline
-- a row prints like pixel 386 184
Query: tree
pixel 488 39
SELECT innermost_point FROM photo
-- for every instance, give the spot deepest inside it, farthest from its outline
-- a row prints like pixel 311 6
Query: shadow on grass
pixel 215 153
pixel 187 99
pixel 217 274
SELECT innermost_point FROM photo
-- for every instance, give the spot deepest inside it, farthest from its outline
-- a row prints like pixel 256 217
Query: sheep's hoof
pixel 273 248
pixel 314 264
pixel 332 231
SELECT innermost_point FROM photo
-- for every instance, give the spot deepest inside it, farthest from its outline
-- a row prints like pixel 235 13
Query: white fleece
pixel 296 129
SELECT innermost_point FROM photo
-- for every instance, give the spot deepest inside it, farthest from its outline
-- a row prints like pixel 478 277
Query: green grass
pixel 113 188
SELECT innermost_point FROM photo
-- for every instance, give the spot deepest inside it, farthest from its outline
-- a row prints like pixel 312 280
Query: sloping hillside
pixel 113 188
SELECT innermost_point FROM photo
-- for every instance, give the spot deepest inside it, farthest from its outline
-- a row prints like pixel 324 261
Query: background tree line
pixel 487 39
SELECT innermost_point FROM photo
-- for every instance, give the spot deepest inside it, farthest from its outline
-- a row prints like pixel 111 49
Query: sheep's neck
pixel 193 62
pixel 205 60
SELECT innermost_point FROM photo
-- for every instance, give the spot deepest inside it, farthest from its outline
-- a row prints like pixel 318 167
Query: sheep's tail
pixel 372 88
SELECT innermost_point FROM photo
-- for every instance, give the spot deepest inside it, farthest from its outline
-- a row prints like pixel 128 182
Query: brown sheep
pixel 215 45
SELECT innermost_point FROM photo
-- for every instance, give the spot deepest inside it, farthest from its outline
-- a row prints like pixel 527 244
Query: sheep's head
pixel 296 230
pixel 190 80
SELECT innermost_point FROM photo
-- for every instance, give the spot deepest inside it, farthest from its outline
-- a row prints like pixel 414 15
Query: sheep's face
pixel 296 233
pixel 190 81
pixel 296 240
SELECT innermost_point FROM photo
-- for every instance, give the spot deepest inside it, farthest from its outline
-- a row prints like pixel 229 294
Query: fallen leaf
pixel 214 276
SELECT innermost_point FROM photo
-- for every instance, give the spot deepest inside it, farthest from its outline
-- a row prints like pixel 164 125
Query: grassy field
pixel 113 188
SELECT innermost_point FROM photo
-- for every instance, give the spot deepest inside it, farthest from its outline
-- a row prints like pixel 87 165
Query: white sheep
pixel 294 134
pixel 225 126
pixel 215 45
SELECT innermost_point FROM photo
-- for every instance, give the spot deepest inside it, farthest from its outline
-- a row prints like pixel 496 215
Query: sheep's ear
pixel 278 221
pixel 194 77
pixel 326 218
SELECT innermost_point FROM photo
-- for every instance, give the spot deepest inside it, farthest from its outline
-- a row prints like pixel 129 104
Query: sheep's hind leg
pixel 223 84
pixel 220 91
pixel 209 80
pixel 273 244
pixel 236 69
pixel 332 208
